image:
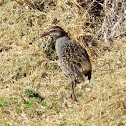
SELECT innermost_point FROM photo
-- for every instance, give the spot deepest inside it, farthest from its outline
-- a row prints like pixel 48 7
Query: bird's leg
pixel 72 94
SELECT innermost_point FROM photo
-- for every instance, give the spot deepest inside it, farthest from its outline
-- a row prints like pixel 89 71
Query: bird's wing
pixel 75 61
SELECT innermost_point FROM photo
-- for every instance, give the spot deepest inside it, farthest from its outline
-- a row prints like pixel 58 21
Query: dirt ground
pixel 33 89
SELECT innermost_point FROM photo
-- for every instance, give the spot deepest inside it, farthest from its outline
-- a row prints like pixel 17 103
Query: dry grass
pixel 34 90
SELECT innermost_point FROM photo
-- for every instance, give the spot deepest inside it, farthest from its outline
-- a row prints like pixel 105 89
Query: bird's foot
pixel 73 97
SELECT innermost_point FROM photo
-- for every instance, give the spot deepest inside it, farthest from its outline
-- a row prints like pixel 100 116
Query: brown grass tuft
pixel 34 90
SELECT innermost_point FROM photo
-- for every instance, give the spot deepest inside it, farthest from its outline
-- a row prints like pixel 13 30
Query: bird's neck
pixel 62 35
pixel 60 43
pixel 61 39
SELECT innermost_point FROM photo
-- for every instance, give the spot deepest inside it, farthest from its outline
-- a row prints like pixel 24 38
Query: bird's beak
pixel 45 34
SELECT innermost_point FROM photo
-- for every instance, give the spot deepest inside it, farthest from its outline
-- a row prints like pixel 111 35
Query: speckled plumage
pixel 74 60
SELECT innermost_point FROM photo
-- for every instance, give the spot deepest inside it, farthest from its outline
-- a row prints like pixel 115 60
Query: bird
pixel 73 58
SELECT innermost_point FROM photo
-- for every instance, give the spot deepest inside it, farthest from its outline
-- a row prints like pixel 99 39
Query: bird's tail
pixel 89 75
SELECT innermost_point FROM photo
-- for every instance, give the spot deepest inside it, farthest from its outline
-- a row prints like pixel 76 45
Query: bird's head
pixel 55 32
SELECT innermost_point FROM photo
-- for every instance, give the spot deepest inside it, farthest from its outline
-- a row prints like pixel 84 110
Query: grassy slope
pixel 24 67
